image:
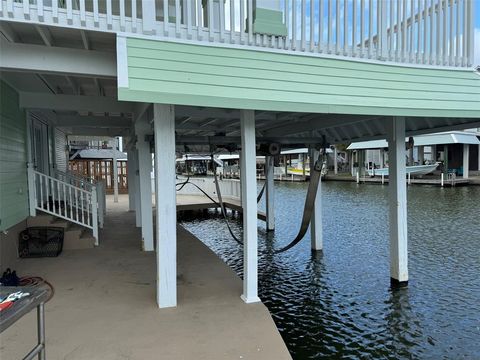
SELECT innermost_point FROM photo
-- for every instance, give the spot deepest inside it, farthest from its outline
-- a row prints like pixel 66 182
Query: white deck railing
pixel 430 32
pixel 230 188
pixel 63 200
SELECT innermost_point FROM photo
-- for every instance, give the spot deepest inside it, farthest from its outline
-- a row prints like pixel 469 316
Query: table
pixel 36 299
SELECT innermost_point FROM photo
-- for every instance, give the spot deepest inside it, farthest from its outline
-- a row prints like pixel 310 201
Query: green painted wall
pixel 13 159
pixel 190 74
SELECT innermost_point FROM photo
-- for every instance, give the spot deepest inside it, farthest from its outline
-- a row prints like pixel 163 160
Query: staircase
pixel 70 201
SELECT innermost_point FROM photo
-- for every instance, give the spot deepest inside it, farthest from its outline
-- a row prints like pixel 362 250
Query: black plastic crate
pixel 40 241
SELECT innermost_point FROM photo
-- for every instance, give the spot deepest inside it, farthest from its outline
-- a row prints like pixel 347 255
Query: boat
pixel 412 170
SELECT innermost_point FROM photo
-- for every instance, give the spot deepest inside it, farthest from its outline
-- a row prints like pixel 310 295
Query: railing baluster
pixel 69 5
pixel 398 29
pixel 412 27
pixel 431 47
pixel 55 10
pixel 303 25
pixel 10 7
pixel 232 21
pixel 26 9
pixel 443 4
pixel 312 25
pixel 320 26
pixel 134 15
pixel 47 191
pixel 222 21
pixel 345 27
pixel 287 24
pixel 82 207
pixel 166 18
pixel 122 15
pixel 39 9
pixel 452 44
pixel 419 32
pixel 59 200
pixel 294 24
pixel 354 29
pixel 199 20
pixel 469 12
pixel 337 27
pixel 109 14
pixel 188 10
pixel 40 182
pixel 250 21
pixel 95 12
pixel 210 20
pixel 71 204
pixel 465 36
pixel 362 27
pixel 370 28
pixel 404 30
pixel 178 17
pixel 83 17
pixel 77 205
pixel 438 36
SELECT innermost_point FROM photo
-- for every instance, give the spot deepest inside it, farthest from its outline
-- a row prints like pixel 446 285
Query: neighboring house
pixel 205 73
pixel 99 160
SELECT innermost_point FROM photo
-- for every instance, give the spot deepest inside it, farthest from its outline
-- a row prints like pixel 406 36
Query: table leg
pixel 41 329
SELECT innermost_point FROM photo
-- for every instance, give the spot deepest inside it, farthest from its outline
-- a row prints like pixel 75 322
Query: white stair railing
pixel 87 183
pixel 61 199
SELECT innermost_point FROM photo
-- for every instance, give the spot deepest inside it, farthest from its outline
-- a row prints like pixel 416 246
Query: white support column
pixel 335 160
pixel 165 199
pixel 466 162
pixel 142 128
pixel 138 209
pixel 249 204
pixel 269 193
pixel 478 153
pixel 382 158
pixel 115 173
pixel 397 202
pixel 131 180
pixel 316 226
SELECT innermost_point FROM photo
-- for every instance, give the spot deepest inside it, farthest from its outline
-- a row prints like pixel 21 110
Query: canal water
pixel 338 304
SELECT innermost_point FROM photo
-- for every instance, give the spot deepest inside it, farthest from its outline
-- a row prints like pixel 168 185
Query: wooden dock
pixel 200 202
pixel 413 181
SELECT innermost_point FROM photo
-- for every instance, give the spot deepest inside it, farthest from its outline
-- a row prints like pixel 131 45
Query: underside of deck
pixel 104 304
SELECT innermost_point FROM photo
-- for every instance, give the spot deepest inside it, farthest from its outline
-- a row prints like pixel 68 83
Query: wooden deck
pixel 200 202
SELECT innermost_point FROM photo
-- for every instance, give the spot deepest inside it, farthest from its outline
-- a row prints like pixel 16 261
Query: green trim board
pixel 13 159
pixel 268 22
pixel 227 77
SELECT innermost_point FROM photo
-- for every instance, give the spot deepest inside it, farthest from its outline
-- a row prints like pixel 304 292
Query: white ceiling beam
pixel 45 34
pixel 92 121
pixel 57 60
pixel 90 131
pixel 101 104
pixel 8 33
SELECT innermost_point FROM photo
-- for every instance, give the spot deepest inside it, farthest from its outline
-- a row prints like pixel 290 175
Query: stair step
pixel 75 238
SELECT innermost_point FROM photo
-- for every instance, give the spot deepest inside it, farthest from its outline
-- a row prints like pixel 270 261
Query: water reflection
pixel 338 304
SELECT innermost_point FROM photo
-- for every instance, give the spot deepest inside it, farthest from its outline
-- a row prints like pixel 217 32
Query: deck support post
pixel 421 155
pixel 397 202
pixel 115 172
pixel 269 193
pixel 249 204
pixel 466 160
pixel 142 128
pixel 165 200
pixel 131 180
pixel 335 160
pixel 316 226
pixel 138 209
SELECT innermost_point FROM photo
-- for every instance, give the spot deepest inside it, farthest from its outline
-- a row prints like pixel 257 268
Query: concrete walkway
pixel 104 304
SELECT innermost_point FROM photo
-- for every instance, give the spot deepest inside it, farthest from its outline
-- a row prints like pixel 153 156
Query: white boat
pixel 412 170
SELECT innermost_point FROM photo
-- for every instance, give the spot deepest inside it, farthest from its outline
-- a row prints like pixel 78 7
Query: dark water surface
pixel 338 304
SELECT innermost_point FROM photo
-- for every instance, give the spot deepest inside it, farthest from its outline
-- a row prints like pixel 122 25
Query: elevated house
pixel 166 74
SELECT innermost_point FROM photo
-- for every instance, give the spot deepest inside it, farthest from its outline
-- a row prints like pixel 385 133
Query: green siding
pixel 189 74
pixel 13 159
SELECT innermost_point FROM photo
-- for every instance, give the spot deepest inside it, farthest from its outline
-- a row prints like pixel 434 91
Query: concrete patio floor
pixel 104 305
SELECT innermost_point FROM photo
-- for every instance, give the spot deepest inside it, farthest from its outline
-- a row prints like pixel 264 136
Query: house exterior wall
pixel 13 159
pixel 190 74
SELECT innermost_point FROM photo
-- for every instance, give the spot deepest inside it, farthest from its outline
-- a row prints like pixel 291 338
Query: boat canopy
pixel 451 137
